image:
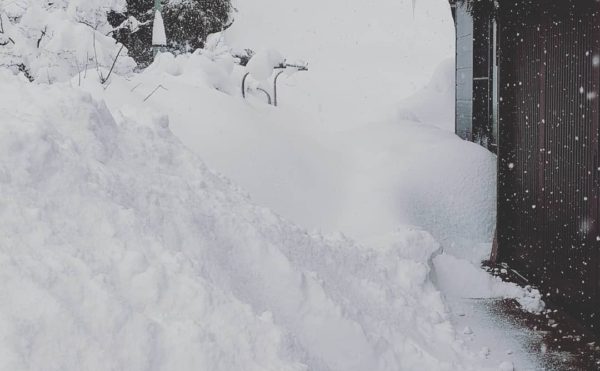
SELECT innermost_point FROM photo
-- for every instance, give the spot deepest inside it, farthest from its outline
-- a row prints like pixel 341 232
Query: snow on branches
pixel 53 41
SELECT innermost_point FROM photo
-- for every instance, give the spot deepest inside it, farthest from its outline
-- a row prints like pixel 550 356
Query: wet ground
pixel 554 339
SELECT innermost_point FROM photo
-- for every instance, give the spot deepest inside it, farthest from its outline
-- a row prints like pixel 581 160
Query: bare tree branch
pixel 42 36
pixel 113 65
pixel 2 32
pixel 154 91
pixel 96 59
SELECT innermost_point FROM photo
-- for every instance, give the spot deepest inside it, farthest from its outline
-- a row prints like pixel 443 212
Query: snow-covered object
pixel 55 41
pixel 214 42
pixel 217 51
pixel 261 65
pixel 365 56
pixel 120 250
pixel 159 36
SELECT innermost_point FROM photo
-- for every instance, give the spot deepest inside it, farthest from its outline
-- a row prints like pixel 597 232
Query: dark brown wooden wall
pixel 548 149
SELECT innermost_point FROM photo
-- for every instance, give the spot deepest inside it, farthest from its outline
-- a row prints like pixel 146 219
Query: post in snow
pixel 159 36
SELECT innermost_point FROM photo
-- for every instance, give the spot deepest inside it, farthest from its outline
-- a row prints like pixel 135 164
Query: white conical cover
pixel 159 36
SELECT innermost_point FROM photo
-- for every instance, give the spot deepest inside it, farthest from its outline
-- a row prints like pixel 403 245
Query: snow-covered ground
pixel 120 249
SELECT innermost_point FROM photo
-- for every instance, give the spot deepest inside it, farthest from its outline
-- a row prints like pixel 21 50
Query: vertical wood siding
pixel 548 159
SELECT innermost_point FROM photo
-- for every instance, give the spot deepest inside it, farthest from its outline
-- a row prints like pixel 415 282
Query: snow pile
pixel 120 250
pixel 53 41
pixel 365 181
pixel 404 173
pixel 379 169
pixel 272 153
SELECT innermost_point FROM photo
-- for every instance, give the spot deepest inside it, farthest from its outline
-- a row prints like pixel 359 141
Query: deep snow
pixel 119 249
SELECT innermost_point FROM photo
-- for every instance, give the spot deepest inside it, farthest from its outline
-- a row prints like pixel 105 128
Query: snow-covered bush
pixel 53 41
pixel 187 22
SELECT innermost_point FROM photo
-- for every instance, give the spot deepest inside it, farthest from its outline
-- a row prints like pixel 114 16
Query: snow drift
pixel 120 250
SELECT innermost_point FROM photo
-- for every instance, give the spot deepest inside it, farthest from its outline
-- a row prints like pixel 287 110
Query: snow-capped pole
pixel 261 67
pixel 159 36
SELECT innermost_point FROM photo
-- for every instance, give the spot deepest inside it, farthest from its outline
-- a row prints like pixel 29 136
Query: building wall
pixel 548 151
pixel 464 72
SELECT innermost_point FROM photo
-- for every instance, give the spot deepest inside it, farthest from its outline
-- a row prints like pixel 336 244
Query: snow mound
pixel 120 250
pixel 405 173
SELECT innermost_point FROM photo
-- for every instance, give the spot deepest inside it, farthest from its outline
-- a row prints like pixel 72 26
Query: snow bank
pixel 406 173
pixel 272 153
pixel 379 170
pixel 53 41
pixel 365 181
pixel 120 250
